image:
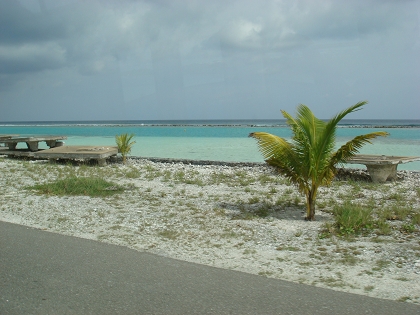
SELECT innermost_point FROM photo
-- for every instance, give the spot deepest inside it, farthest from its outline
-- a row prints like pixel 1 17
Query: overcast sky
pixel 200 59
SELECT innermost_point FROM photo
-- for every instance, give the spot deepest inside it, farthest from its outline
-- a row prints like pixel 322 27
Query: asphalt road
pixel 47 273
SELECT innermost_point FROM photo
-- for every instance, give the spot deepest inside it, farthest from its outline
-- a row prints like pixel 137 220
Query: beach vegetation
pixel 132 173
pixel 169 234
pixel 415 218
pixel 408 228
pixel 352 218
pixel 79 186
pixel 309 160
pixel 383 228
pixel 369 288
pixel 124 143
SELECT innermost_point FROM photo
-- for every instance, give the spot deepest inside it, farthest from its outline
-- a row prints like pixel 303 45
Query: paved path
pixel 47 273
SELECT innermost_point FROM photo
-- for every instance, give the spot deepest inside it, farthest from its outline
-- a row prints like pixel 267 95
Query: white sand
pixel 207 215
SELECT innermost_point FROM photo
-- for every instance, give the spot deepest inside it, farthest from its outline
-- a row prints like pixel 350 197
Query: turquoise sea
pixel 217 140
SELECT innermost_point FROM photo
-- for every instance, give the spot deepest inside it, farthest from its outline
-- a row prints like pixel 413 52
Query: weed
pixel 404 299
pixel 262 212
pixel 395 212
pixel 288 248
pixel 169 234
pixel 396 196
pixel 381 264
pixel 352 219
pixel 133 173
pixel 332 282
pixel 349 259
pixel 408 228
pixel 220 211
pixel 79 186
pixel 369 288
pixel 383 228
pixel 253 200
pixel 264 179
pixel 415 218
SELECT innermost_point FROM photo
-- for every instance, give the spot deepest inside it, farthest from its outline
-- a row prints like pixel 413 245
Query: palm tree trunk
pixel 310 206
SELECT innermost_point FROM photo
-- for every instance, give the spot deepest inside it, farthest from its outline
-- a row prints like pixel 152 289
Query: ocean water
pixel 218 140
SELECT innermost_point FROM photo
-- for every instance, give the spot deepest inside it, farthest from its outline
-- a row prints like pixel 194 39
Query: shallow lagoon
pixel 219 142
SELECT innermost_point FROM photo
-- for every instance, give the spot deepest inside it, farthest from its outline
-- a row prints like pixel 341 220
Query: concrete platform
pixel 382 167
pixel 98 153
pixel 16 152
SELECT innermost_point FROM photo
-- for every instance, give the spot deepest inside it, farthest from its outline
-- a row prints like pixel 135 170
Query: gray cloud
pixel 233 53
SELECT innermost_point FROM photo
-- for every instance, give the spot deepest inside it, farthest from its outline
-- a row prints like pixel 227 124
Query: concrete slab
pixel 98 153
pixel 17 152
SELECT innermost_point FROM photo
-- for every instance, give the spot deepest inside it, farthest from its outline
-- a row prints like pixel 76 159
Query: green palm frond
pixel 281 154
pixel 271 146
pixel 125 144
pixel 350 148
pixel 309 160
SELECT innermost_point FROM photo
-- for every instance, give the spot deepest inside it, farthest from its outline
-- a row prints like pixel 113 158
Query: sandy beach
pixel 240 217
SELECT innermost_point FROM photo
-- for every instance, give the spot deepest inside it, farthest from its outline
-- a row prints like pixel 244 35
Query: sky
pixel 72 60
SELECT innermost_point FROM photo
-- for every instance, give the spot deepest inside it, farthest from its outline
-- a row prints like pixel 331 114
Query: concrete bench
pixel 5 137
pixel 382 167
pixel 33 142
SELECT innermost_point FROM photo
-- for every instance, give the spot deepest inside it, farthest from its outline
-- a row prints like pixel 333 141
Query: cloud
pixel 94 35
pixel 30 57
pixel 288 50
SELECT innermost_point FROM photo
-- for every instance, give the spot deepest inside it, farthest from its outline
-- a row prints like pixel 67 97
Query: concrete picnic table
pixel 5 137
pixel 382 167
pixel 33 142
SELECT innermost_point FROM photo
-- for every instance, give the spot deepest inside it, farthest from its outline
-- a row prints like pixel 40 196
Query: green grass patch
pixel 352 219
pixel 79 186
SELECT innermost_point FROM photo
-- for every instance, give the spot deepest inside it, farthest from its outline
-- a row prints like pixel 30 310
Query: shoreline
pixel 233 163
pixel 233 216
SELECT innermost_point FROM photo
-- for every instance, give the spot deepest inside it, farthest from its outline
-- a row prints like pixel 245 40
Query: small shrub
pixel 415 219
pixel 395 212
pixel 264 210
pixel 254 200
pixel 352 219
pixel 383 228
pixel 408 228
